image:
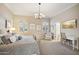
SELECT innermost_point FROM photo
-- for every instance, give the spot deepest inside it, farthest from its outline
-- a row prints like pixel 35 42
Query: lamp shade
pixel 12 28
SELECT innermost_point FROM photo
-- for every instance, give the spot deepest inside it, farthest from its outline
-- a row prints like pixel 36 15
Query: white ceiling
pixel 29 9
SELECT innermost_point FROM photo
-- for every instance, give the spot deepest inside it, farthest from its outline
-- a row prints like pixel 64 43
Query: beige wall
pixel 70 14
pixel 27 19
pixel 6 13
pixel 14 20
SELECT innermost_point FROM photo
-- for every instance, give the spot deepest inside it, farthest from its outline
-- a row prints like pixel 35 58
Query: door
pixel 57 31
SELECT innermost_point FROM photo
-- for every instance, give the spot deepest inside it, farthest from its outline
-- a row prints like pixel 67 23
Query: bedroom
pixel 39 24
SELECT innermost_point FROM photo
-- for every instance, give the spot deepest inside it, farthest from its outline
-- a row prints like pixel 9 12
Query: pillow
pixel 12 39
pixel 19 37
pixel 1 41
pixel 5 40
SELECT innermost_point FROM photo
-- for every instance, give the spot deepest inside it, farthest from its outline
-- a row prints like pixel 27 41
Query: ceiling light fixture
pixel 39 15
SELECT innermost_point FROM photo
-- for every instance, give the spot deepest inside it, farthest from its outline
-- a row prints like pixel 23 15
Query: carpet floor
pixel 55 48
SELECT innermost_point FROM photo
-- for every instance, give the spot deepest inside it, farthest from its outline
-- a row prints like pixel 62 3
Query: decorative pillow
pixel 12 38
pixel 5 40
pixel 1 41
pixel 19 37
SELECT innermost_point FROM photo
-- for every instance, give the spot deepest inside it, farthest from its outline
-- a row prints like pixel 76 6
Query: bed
pixel 26 46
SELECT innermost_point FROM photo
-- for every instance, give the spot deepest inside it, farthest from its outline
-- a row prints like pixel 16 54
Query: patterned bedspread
pixel 26 46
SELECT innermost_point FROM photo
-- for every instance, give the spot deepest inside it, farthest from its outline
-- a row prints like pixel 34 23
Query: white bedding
pixel 26 46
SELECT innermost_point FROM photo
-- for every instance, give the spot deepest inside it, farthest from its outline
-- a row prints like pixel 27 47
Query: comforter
pixel 26 46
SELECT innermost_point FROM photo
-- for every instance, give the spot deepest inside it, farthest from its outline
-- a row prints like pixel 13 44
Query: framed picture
pixel 8 24
pixel 2 22
pixel 71 24
pixel 5 23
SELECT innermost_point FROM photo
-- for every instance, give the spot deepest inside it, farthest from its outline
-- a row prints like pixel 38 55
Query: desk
pixel 73 41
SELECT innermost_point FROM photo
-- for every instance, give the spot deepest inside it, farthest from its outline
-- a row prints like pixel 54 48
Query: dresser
pixel 73 39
